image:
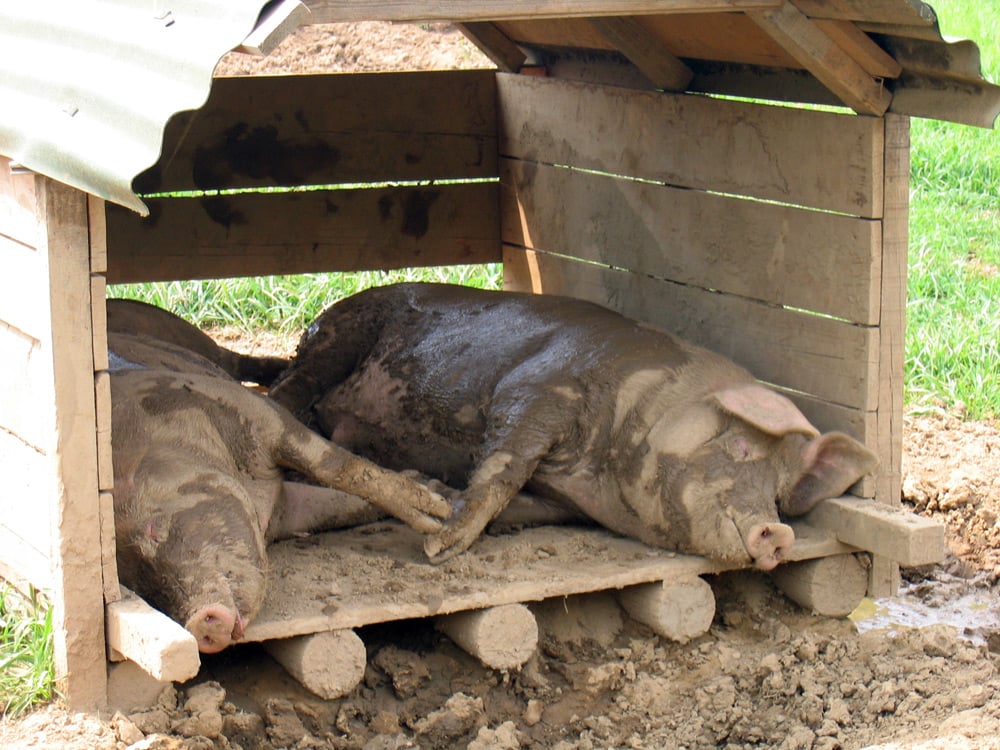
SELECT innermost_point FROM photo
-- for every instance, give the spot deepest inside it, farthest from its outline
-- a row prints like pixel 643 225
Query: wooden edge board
pixel 333 11
pixel 99 321
pixel 105 465
pixel 109 561
pixel 97 230
pixel 825 59
pixel 873 59
pixel 891 532
pixel 146 636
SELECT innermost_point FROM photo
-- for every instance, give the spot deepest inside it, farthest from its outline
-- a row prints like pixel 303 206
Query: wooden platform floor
pixel 378 573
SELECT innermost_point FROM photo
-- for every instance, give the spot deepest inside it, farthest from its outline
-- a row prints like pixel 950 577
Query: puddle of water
pixel 973 610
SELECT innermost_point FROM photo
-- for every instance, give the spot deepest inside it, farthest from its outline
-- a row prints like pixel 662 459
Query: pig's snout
pixel 215 627
pixel 768 543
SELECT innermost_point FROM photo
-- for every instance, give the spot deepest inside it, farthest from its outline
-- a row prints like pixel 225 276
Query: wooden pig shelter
pixel 594 161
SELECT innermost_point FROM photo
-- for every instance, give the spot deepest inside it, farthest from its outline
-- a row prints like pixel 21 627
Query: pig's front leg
pixel 302 449
pixel 510 458
pixel 526 425
pixel 493 485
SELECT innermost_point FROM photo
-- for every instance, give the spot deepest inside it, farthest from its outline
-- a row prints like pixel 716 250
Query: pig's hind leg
pixel 301 449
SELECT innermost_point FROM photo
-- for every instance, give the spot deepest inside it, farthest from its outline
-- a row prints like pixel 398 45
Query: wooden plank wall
pixel 49 508
pixel 25 429
pixel 756 231
pixel 418 129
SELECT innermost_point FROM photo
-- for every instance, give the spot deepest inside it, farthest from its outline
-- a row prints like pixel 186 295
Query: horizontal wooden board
pixel 782 255
pixel 332 11
pixel 25 515
pixel 828 359
pixel 260 131
pixel 27 406
pixel 398 582
pixel 24 288
pixel 807 158
pixel 18 219
pixel 254 234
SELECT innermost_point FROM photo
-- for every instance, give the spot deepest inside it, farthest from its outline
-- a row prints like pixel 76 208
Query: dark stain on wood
pixel 221 211
pixel 259 152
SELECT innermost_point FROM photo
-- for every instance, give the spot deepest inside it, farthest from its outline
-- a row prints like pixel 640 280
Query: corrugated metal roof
pixel 88 85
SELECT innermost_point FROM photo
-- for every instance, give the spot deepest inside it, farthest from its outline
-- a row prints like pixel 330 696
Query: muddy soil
pixel 766 675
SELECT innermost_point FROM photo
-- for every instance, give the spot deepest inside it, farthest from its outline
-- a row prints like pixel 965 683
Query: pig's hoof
pixel 439 548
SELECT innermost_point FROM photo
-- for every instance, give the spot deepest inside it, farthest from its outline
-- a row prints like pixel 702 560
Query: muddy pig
pixel 198 490
pixel 648 435
pixel 139 318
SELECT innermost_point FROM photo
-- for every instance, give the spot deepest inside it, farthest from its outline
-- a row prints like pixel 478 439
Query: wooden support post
pixel 883 577
pixel 70 447
pixel 501 637
pixel 830 586
pixel 330 664
pixel 678 610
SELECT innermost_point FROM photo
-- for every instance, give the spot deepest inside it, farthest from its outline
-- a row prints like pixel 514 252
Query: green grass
pixel 287 304
pixel 953 310
pixel 26 659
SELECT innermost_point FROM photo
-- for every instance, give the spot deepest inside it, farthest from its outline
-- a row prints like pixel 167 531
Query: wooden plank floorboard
pixel 378 573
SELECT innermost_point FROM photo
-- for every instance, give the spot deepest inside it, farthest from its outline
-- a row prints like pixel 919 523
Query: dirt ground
pixel 766 675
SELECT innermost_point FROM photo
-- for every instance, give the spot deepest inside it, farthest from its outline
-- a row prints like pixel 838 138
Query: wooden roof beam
pixel 278 20
pixel 331 11
pixel 496 45
pixel 645 51
pixel 875 60
pixel 824 58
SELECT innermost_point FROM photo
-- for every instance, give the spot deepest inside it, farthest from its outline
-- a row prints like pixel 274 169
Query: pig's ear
pixel 764 409
pixel 831 463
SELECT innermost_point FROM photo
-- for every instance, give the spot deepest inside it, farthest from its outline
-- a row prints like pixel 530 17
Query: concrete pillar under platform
pixel 502 637
pixel 830 586
pixel 330 664
pixel 678 610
